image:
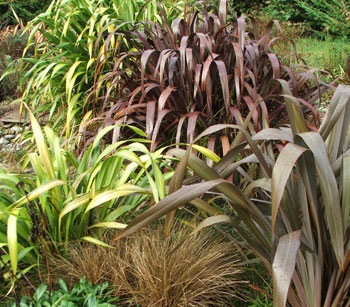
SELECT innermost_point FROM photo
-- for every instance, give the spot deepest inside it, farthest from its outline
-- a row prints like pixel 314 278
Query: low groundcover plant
pixel 82 294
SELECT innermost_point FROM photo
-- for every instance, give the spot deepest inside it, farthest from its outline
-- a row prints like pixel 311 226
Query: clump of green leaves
pixel 82 294
pixel 71 198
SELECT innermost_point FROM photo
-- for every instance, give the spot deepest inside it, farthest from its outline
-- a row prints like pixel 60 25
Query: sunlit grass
pixel 325 54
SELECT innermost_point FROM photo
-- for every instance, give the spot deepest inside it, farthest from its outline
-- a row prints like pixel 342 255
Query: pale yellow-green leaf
pixel 110 149
pixel 96 241
pixel 126 173
pixel 123 190
pixel 66 26
pixel 114 225
pixel 71 85
pixel 39 191
pixel 69 81
pixel 81 35
pixel 207 153
pixel 90 62
pixel 9 177
pixel 129 155
pixel 72 205
pixel 153 187
pixel 41 145
pixel 92 176
pixel 101 134
pixel 12 238
pixel 43 75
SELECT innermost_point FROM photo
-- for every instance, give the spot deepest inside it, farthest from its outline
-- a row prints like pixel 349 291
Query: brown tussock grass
pixel 147 268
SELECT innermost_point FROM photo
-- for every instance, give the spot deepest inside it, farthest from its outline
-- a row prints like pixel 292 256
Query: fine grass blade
pixel 96 241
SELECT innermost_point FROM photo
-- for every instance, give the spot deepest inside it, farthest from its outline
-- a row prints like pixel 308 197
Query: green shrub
pixel 243 6
pixel 285 10
pixel 331 16
pixel 82 294
pixel 26 10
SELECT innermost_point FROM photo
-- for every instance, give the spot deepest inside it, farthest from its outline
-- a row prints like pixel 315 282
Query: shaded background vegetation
pixel 26 10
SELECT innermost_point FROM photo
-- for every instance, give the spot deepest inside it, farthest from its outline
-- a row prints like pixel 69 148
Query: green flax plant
pixel 200 71
pixel 71 55
pixel 69 198
pixel 289 200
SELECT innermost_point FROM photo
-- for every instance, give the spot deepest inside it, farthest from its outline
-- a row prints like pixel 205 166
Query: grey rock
pixel 3 141
pixel 16 129
pixel 9 137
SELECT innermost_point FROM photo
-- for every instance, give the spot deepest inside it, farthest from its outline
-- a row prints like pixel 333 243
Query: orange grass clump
pixel 152 270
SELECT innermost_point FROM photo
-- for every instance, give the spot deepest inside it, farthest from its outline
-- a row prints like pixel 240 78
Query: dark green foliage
pixel 330 16
pixel 243 6
pixel 285 10
pixel 7 87
pixel 26 10
pixel 82 294
pixel 12 44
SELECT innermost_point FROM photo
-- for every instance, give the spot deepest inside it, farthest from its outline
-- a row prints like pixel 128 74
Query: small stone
pixel 16 129
pixel 9 137
pixel 3 141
